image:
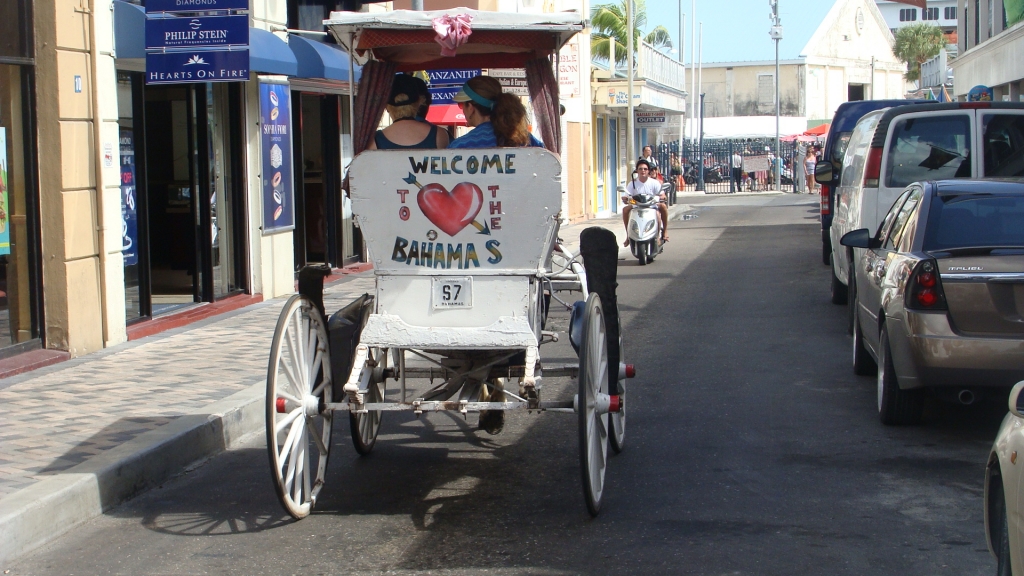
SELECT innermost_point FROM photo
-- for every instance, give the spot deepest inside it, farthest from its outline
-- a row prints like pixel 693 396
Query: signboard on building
pixel 980 94
pixel 569 69
pixel 129 210
pixel 513 80
pixel 183 46
pixel 197 66
pixel 451 77
pixel 195 5
pixel 443 94
pixel 278 184
pixel 647 119
pixel 201 31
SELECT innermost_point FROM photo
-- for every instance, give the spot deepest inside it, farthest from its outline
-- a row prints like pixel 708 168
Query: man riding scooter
pixel 644 184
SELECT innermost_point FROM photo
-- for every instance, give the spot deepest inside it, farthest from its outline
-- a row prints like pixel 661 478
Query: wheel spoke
pixel 289 442
pixel 299 351
pixel 284 422
pixel 305 469
pixel 294 373
pixel 315 435
pixel 287 396
pixel 311 352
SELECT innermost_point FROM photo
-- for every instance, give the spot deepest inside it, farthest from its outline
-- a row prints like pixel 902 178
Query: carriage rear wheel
pixel 298 389
pixel 593 427
pixel 365 426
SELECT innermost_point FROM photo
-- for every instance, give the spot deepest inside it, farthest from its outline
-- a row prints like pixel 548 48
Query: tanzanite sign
pixel 452 76
pixel 195 5
pixel 199 32
pixel 197 66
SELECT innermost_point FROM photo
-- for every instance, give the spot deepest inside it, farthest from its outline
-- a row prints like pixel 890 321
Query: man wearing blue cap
pixel 498 118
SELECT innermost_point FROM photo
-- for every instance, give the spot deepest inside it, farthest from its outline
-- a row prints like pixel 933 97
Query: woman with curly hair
pixel 498 118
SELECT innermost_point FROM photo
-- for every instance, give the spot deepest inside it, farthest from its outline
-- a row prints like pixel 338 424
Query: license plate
pixel 450 292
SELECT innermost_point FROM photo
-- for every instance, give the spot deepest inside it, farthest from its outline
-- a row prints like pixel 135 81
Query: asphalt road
pixel 751 449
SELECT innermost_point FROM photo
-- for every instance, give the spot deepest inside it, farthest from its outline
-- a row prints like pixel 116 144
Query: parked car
pixel 1004 525
pixel 838 137
pixel 939 294
pixel 891 148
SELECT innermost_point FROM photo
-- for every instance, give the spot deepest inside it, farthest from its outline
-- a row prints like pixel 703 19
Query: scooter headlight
pixel 649 227
pixel 634 227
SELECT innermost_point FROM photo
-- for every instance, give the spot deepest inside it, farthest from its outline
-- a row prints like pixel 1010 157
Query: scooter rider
pixel 644 184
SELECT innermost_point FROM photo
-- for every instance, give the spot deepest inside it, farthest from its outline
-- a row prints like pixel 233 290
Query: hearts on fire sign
pixel 456 209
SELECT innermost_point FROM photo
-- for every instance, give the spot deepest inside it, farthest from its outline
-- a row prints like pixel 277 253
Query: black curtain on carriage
pixel 543 86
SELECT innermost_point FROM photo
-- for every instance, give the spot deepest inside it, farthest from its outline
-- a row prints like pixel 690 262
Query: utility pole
pixel 776 34
pixel 630 155
pixel 693 69
pixel 682 49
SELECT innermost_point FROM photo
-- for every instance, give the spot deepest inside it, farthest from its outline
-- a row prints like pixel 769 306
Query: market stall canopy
pixel 818 130
pixel 495 39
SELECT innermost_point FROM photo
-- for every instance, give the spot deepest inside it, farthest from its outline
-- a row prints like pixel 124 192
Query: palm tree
pixel 915 45
pixel 609 25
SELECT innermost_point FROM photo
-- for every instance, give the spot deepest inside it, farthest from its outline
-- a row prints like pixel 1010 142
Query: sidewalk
pixel 82 436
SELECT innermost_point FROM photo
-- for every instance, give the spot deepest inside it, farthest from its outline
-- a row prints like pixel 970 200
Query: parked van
pixel 838 138
pixel 891 148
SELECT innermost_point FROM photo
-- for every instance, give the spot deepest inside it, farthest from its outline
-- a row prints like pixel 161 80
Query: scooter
pixel 644 229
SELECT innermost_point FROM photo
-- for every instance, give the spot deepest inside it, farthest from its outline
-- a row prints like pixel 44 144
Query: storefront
pixel 185 158
pixel 20 280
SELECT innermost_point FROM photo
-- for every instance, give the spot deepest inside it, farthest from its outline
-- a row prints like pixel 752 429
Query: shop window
pixel 18 269
pixel 14 29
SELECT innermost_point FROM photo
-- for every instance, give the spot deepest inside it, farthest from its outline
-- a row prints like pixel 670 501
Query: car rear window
pixel 929 148
pixel 1004 145
pixel 974 220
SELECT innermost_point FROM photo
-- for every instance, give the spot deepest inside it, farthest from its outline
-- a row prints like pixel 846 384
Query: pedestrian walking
pixel 737 168
pixel 810 160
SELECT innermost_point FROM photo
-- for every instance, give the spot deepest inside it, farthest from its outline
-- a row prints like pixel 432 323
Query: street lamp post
pixel 630 156
pixel 776 34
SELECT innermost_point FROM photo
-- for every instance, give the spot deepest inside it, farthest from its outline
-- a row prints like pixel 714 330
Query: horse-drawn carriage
pixel 466 256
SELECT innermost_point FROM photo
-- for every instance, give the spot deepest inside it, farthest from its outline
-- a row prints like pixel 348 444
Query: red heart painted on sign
pixel 450 211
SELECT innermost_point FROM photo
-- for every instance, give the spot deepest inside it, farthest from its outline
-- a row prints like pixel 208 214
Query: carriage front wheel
pixel 593 426
pixel 298 389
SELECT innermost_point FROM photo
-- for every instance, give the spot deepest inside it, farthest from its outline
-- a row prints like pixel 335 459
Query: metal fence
pixel 721 176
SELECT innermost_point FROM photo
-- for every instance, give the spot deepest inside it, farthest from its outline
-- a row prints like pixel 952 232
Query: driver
pixel 644 184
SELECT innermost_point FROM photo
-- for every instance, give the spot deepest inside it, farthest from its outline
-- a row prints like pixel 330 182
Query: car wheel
pixel 839 290
pixel 1003 565
pixel 895 406
pixel 863 364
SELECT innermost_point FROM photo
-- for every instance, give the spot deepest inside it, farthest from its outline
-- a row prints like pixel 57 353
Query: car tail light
pixel 872 167
pixel 924 291
pixel 826 207
pixel 975 105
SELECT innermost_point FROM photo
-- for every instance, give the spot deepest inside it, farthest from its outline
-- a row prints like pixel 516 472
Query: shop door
pixel 193 154
pixel 316 130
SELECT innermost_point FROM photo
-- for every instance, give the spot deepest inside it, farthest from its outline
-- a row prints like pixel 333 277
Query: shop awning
pixel 129 27
pixel 270 55
pixel 446 115
pixel 320 60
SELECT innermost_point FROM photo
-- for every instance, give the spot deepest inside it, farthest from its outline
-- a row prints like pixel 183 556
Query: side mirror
pixel 859 239
pixel 823 172
pixel 1016 400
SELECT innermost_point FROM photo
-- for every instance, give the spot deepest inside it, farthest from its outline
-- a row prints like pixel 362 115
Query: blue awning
pixel 129 30
pixel 269 54
pixel 320 60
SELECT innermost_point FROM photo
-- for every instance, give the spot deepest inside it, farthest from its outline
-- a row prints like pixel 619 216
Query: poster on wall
pixel 1014 10
pixel 278 194
pixel 5 220
pixel 129 211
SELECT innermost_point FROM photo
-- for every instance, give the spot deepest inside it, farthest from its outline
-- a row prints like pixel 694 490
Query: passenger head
pixel 648 151
pixel 406 97
pixel 505 112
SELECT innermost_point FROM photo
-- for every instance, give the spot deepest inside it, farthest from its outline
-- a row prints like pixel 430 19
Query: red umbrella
pixel 446 115
pixel 818 130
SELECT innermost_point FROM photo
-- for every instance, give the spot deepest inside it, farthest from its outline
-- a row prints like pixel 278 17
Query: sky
pixel 736 30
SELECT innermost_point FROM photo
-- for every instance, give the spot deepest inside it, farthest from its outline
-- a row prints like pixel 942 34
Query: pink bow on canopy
pixel 452 32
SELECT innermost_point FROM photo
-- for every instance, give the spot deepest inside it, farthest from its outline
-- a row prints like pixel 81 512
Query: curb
pixel 50 508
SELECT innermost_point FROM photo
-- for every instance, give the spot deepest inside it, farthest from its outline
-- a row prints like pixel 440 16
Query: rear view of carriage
pixel 467 262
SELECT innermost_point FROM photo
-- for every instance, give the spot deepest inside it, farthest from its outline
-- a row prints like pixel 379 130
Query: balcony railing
pixel 658 67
